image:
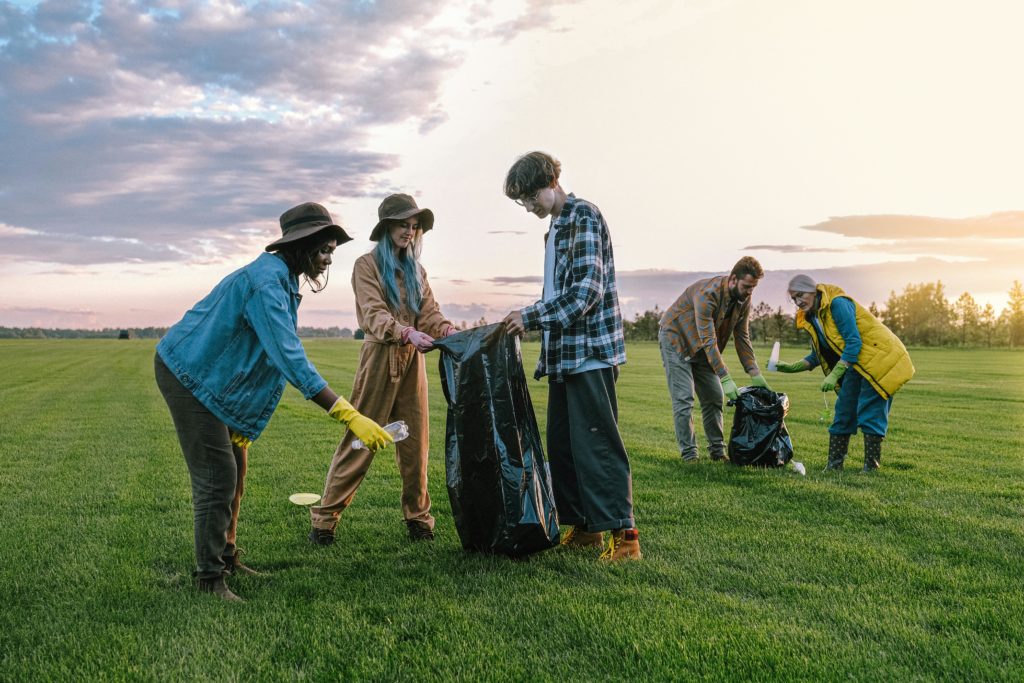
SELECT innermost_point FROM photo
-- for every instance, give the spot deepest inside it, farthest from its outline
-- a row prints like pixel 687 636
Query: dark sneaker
pixel 419 531
pixel 217 587
pixel 321 536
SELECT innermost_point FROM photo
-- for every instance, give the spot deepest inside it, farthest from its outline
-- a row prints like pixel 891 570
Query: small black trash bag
pixel 498 480
pixel 759 436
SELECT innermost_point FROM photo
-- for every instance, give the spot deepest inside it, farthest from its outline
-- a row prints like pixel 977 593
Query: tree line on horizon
pixel 921 315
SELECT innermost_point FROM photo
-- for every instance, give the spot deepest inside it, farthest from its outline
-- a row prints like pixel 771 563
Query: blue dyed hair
pixel 388 264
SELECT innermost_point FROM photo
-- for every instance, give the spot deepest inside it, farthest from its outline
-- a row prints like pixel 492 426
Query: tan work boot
pixel 576 539
pixel 623 545
pixel 217 586
pixel 233 565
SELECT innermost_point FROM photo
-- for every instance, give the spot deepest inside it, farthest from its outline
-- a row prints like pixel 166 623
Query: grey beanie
pixel 802 283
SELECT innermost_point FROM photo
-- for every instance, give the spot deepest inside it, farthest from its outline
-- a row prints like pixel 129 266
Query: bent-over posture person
pixel 846 335
pixel 693 333
pixel 222 369
pixel 397 310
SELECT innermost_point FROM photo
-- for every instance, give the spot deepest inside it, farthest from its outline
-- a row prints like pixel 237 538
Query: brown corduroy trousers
pixel 382 400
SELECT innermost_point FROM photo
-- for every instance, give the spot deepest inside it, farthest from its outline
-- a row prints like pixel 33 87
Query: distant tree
pixel 966 310
pixel 1014 313
pixel 873 310
pixel 921 315
pixel 987 323
pixel 760 319
pixel 358 335
pixel 346 333
pixel 643 327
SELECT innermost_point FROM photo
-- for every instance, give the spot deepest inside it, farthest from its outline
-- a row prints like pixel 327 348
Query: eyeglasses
pixel 532 199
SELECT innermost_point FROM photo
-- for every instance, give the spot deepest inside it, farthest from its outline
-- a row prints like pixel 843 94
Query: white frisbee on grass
pixel 304 498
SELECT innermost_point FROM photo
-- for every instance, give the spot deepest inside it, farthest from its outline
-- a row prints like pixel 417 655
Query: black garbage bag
pixel 498 480
pixel 759 436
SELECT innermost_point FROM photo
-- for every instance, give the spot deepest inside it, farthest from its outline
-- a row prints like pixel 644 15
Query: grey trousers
pixel 590 473
pixel 685 375
pixel 216 468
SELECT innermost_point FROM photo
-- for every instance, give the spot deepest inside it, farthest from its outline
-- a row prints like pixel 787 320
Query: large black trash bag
pixel 759 436
pixel 498 480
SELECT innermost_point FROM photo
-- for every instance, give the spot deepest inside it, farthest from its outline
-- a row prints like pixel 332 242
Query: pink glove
pixel 421 340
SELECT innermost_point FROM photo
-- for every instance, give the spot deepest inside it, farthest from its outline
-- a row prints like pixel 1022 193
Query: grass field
pixel 913 573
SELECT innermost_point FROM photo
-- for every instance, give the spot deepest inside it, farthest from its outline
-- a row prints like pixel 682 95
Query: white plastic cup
pixel 773 360
pixel 398 430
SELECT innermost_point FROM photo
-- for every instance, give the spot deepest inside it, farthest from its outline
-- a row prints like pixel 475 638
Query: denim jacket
pixel 236 347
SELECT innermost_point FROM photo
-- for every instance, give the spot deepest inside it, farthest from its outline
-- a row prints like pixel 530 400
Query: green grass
pixel 909 574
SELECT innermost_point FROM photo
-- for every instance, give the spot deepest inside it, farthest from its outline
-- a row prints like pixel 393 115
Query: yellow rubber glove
pixel 239 440
pixel 833 377
pixel 729 387
pixel 365 429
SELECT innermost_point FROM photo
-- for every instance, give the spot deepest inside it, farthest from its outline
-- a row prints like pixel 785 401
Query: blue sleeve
pixel 844 313
pixel 270 316
pixel 812 360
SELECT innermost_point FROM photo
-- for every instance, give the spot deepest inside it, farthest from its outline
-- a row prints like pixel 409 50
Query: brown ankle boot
pixel 624 545
pixel 217 586
pixel 233 565
pixel 577 538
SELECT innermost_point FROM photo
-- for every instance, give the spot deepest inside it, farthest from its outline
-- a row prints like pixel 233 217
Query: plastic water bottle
pixel 397 429
pixel 773 360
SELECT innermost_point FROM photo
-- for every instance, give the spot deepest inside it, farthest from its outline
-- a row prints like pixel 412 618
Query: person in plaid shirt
pixel 582 346
pixel 693 332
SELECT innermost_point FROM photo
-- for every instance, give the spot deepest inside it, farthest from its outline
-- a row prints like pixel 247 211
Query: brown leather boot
pixel 624 545
pixel 233 565
pixel 576 539
pixel 217 586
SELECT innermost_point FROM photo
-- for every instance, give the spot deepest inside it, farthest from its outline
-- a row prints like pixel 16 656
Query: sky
pixel 150 146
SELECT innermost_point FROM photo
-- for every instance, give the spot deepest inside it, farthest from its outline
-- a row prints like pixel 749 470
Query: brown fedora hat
pixel 305 220
pixel 398 207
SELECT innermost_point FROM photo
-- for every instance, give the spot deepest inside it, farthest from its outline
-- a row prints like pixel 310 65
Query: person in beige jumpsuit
pixel 391 381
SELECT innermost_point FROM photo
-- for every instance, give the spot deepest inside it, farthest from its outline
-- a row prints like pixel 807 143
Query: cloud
pixel 513 281
pixel 792 249
pixel 506 232
pixel 180 131
pixel 1006 224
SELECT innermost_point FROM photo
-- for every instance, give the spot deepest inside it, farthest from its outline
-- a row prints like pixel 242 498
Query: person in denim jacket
pixel 222 369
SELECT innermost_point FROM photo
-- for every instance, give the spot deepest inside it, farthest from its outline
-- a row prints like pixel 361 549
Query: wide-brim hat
pixel 398 207
pixel 305 220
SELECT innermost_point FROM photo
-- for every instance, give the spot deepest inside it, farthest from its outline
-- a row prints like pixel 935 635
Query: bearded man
pixel 693 332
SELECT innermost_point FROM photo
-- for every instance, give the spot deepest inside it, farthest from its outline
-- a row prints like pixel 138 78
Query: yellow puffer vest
pixel 883 359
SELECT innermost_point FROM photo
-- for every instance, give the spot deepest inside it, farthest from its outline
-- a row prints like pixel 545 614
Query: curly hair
pixel 748 265
pixel 299 257
pixel 530 173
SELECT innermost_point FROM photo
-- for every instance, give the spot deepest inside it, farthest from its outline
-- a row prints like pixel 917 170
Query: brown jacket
pixel 382 325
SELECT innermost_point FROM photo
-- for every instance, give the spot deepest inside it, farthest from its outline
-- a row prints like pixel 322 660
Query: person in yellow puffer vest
pixel 844 334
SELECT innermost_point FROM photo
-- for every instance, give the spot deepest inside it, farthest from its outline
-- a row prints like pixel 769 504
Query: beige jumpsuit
pixel 390 384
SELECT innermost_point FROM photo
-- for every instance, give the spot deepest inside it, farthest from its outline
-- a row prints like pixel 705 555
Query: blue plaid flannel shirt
pixel 583 319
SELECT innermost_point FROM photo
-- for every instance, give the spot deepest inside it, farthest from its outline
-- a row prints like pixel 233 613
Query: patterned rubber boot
pixel 838 445
pixel 872 452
